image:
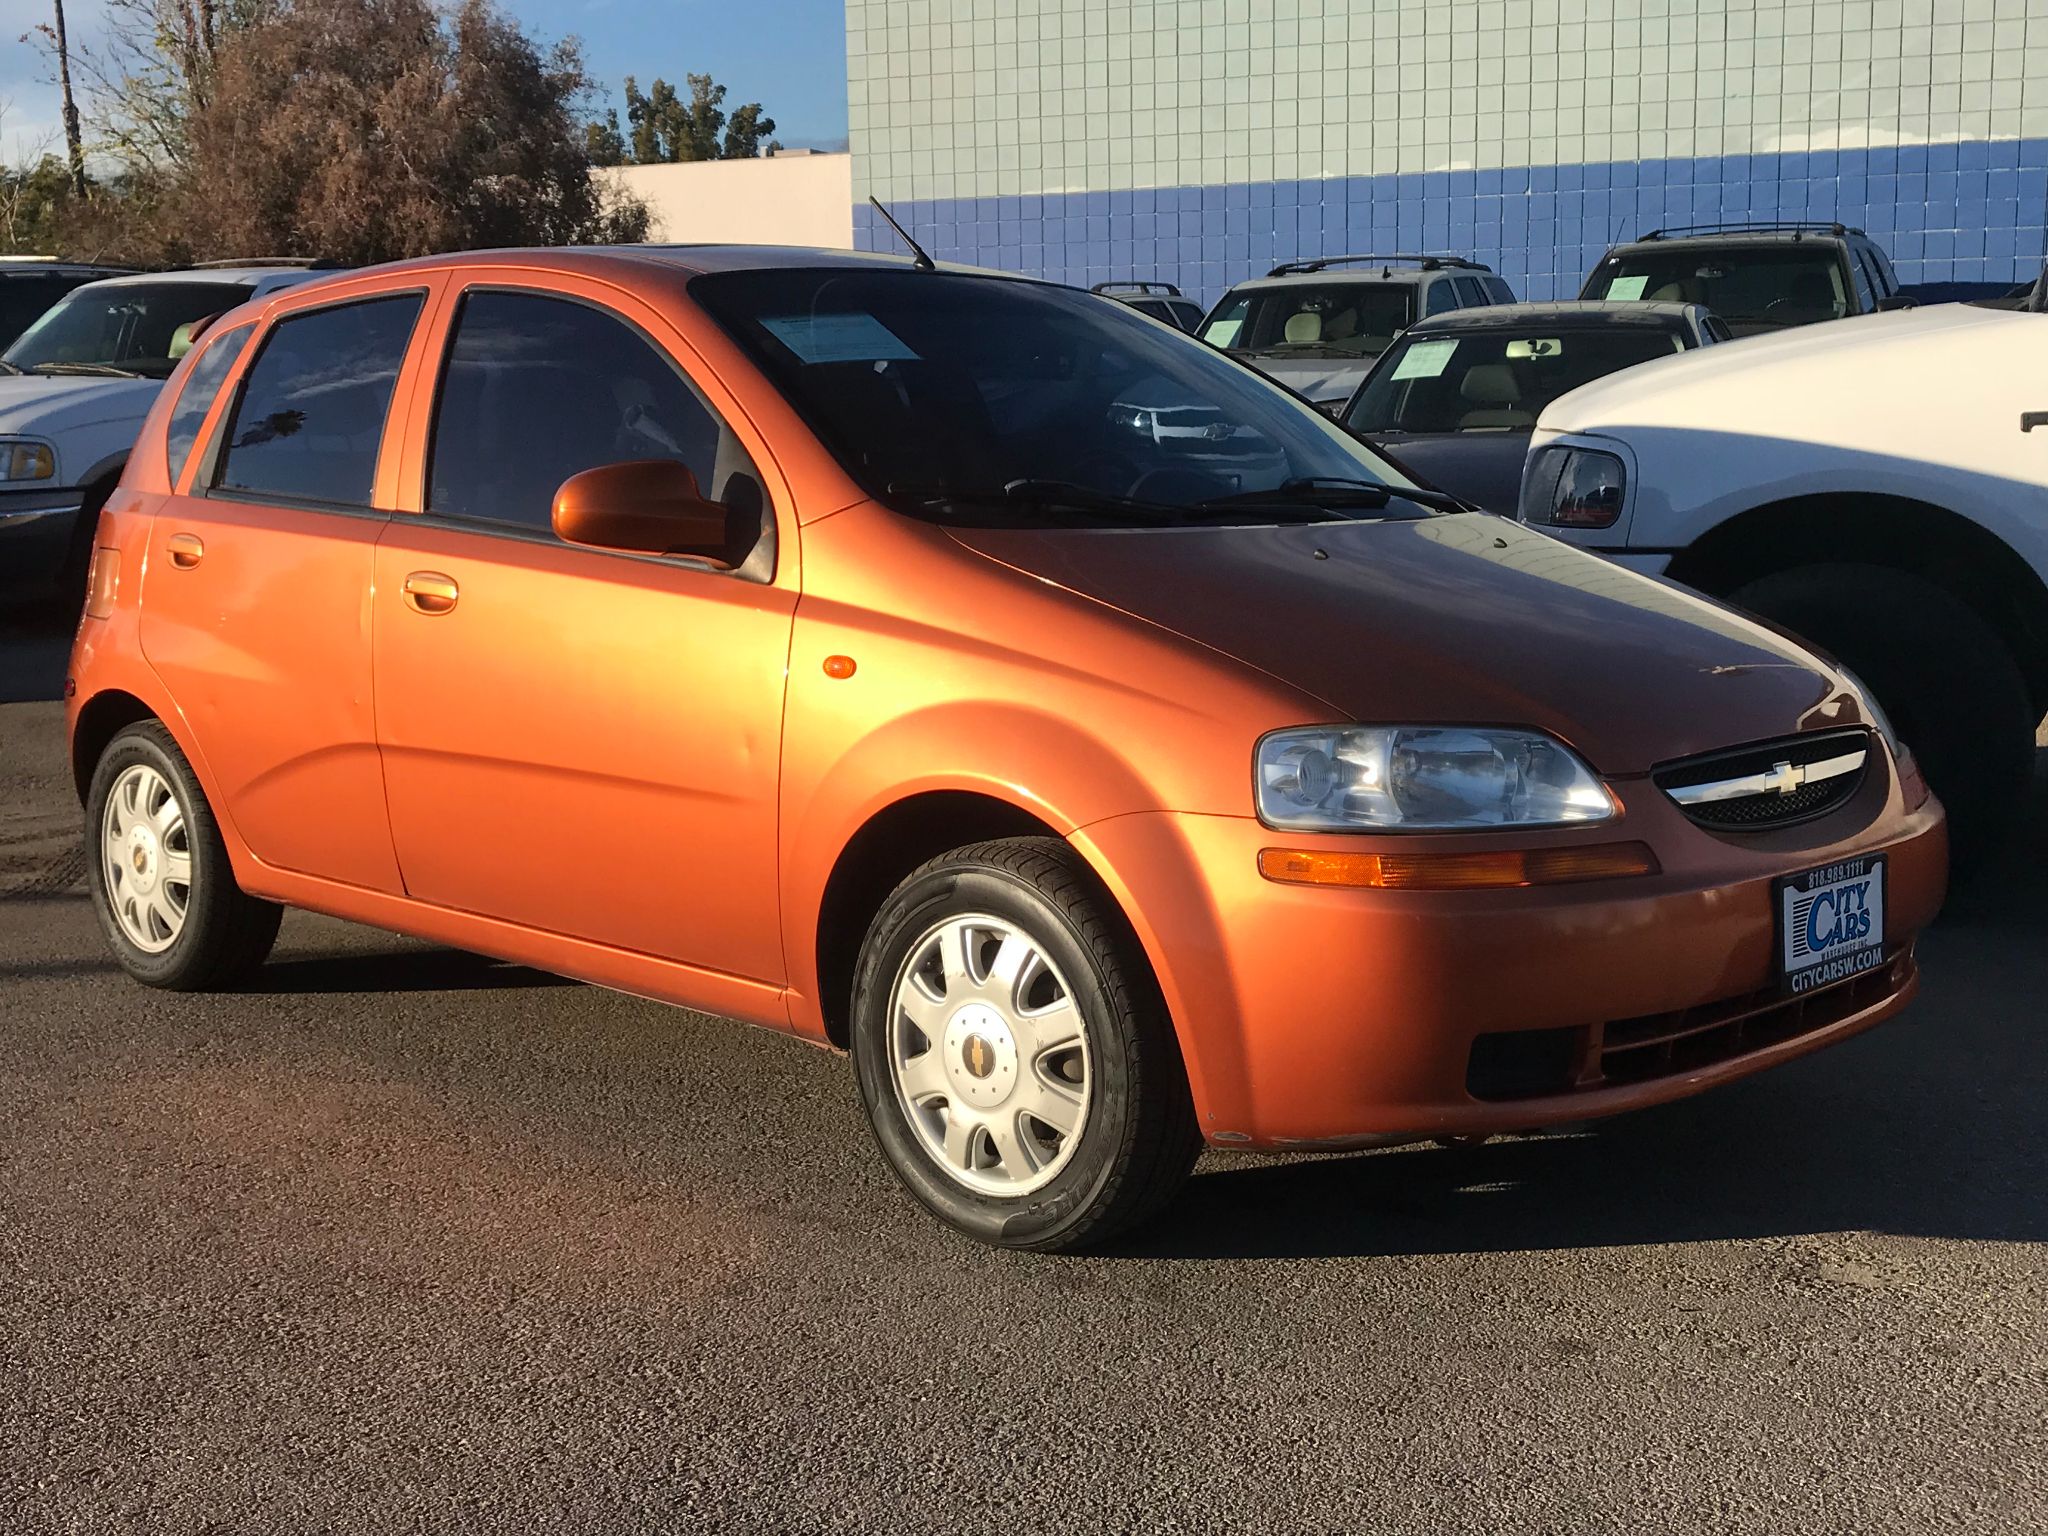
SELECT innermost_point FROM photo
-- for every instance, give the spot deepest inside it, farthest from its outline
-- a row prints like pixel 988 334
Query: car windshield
pixel 1350 319
pixel 1494 381
pixel 141 328
pixel 1757 288
pixel 1004 402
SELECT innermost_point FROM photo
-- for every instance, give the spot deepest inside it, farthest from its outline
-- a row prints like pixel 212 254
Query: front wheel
pixel 161 882
pixel 1012 1052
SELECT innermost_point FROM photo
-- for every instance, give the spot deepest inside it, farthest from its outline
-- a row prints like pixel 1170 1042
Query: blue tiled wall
pixel 1967 212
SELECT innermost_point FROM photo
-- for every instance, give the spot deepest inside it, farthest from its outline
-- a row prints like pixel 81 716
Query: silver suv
pixel 1317 330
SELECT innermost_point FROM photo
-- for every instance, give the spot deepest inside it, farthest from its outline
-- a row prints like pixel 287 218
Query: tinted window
pixel 538 389
pixel 195 395
pixel 311 414
pixel 1755 288
pixel 1496 381
pixel 986 400
pixel 1156 308
pixel 125 325
pixel 1471 292
pixel 1185 315
pixel 1443 297
pixel 1867 289
pixel 1312 319
pixel 1502 293
pixel 23 300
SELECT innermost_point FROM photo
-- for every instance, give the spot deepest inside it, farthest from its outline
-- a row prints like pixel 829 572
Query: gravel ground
pixel 404 1239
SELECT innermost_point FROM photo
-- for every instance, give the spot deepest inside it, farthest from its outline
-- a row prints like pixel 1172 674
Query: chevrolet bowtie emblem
pixel 1783 778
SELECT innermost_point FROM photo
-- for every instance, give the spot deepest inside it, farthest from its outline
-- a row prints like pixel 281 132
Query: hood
pixel 1720 383
pixel 1462 619
pixel 1484 468
pixel 1322 379
pixel 44 405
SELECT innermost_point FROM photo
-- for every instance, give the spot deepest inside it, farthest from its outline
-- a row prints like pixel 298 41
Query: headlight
pixel 1874 713
pixel 24 459
pixel 1573 488
pixel 1337 778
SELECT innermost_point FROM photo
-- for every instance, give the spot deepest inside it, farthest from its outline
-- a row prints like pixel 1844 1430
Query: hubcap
pixel 146 856
pixel 989 1055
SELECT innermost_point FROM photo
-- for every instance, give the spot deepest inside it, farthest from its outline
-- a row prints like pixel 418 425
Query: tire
pixel 1949 684
pixel 1133 1140
pixel 134 855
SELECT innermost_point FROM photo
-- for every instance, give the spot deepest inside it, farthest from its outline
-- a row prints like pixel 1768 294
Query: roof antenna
pixel 924 262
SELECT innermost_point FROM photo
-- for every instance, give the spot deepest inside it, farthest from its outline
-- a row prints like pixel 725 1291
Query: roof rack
pixel 1137 286
pixel 1746 227
pixel 304 263
pixel 1427 263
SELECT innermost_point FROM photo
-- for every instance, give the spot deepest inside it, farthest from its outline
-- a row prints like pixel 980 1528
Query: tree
pixel 74 143
pixel 366 130
pixel 602 140
pixel 744 131
pixel 665 128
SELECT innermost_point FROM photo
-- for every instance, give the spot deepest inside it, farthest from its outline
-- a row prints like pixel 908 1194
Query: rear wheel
pixel 1012 1053
pixel 1950 685
pixel 161 883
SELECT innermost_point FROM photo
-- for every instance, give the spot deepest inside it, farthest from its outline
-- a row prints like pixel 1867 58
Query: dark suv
pixel 31 284
pixel 1757 277
pixel 1162 301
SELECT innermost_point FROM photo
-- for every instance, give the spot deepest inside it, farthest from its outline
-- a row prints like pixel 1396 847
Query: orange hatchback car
pixel 1095 741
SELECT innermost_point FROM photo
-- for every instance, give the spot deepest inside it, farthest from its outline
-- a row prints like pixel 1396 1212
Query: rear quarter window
pixel 196 395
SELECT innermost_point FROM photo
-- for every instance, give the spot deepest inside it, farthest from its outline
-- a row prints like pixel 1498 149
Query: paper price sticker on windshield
pixel 1627 287
pixel 1425 360
pixel 839 338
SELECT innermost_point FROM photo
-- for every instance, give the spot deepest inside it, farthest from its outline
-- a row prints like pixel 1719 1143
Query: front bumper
pixel 36 529
pixel 1314 1017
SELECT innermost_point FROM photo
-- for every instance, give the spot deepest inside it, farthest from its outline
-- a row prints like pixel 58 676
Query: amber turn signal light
pixel 1504 870
pixel 102 582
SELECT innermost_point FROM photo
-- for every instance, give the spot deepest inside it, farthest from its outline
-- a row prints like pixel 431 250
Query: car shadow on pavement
pixel 404 970
pixel 1930 1125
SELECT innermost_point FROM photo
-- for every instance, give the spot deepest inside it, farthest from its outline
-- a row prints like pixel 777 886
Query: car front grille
pixel 1775 784
pixel 1544 1063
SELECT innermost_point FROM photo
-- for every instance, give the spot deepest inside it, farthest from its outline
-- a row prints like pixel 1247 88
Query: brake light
pixel 103 582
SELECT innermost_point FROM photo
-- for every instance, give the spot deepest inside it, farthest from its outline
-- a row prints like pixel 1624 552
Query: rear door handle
pixel 430 592
pixel 186 550
pixel 2032 419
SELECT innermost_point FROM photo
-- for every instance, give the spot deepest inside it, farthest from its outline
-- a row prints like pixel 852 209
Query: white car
pixel 1876 486
pixel 76 386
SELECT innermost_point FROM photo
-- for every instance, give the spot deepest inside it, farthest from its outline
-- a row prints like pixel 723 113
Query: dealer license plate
pixel 1831 923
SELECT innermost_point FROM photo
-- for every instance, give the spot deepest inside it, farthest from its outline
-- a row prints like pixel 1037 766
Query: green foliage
pixel 666 128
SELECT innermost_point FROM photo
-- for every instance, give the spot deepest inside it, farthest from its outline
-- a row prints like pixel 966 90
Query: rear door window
pixel 1471 292
pixel 539 388
pixel 196 395
pixel 310 420
pixel 1443 297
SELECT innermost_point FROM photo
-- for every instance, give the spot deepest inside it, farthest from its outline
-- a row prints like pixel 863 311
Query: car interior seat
pixel 1304 328
pixel 1494 396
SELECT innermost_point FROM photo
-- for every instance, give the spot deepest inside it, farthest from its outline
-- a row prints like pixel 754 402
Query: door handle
pixel 186 550
pixel 430 592
pixel 2032 419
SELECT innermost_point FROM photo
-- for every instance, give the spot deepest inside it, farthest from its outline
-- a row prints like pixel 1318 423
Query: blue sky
pixel 789 55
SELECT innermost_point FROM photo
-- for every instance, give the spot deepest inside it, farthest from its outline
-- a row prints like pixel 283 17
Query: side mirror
pixel 1893 301
pixel 646 507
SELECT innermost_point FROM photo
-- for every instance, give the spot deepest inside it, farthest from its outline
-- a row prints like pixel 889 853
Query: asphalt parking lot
pixel 402 1238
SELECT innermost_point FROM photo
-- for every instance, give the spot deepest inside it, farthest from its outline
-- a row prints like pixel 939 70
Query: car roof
pixel 1723 237
pixel 43 266
pixel 1377 277
pixel 1581 314
pixel 247 276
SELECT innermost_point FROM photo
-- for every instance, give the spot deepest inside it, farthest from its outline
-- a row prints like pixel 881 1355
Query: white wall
pixel 774 200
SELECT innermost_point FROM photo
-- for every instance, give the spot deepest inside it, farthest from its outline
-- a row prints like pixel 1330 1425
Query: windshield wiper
pixel 89 370
pixel 7 367
pixel 1062 494
pixel 1334 493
